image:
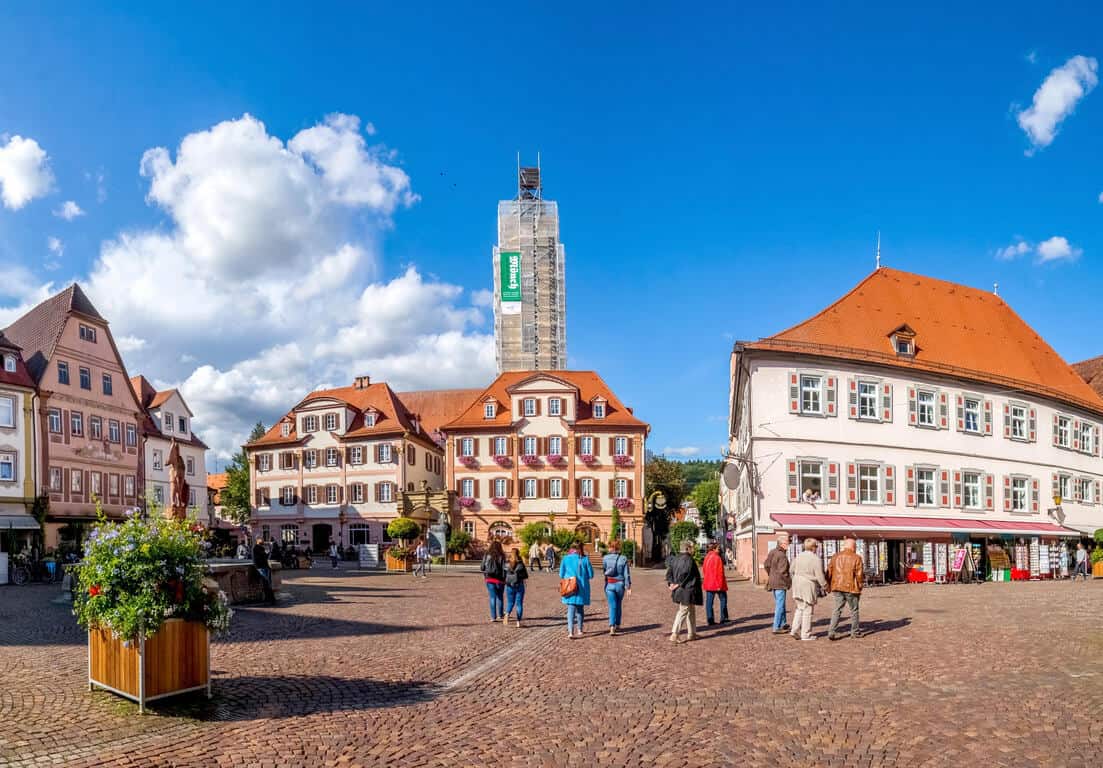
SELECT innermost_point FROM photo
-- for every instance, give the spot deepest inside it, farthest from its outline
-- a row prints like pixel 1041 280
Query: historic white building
pixel 912 412
pixel 336 464
pixel 168 418
pixel 18 440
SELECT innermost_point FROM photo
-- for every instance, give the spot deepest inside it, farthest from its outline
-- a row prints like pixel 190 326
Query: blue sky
pixel 721 175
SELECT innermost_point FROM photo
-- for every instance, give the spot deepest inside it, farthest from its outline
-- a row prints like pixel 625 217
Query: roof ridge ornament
pixel 995 289
pixel 878 249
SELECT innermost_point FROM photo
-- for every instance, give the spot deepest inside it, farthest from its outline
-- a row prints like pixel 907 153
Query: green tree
pixel 666 476
pixel 698 471
pixel 534 532
pixel 706 496
pixel 237 503
pixel 679 532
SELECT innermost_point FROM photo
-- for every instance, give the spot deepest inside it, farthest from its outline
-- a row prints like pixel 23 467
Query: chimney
pixel 361 382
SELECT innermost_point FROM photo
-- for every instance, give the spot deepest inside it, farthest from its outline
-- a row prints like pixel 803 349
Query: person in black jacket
pixel 516 574
pixel 494 573
pixel 260 562
pixel 684 581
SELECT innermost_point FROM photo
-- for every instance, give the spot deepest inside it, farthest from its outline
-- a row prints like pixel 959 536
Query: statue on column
pixel 178 486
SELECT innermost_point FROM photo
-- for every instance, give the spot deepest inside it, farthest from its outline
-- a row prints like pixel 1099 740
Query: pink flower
pixel 500 501
pixel 466 501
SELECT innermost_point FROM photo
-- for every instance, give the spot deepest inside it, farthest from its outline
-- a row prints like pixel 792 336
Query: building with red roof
pixel 547 446
pixel 17 442
pixel 921 415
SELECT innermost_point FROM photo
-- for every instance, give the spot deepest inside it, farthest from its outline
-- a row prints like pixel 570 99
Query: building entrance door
pixel 322 534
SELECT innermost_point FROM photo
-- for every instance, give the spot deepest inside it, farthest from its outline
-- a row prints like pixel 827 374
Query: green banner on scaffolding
pixel 510 266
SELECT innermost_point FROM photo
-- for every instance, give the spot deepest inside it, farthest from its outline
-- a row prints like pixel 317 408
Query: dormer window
pixel 285 429
pixel 528 406
pixel 599 409
pixel 9 363
pixel 903 341
pixel 369 419
pixel 331 422
pixel 489 411
pixel 310 424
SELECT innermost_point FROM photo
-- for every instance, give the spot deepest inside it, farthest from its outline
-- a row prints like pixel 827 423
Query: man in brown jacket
pixel 844 579
pixel 778 580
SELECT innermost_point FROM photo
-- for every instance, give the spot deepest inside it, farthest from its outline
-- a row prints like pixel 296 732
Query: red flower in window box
pixel 466 501
pixel 588 458
pixel 622 461
pixel 586 501
pixel 530 460
pixel 501 502
pixel 554 458
pixel 469 461
pixel 622 503
pixel 502 461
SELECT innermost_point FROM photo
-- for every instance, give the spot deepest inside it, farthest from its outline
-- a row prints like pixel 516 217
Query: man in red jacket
pixel 715 583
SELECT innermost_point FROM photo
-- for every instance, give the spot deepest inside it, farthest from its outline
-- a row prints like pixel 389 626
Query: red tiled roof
pixel 436 407
pixel 143 389
pixel 393 417
pixel 216 481
pixel 901 523
pixel 149 398
pixel 1091 371
pixel 960 331
pixel 38 331
pixel 588 384
pixel 21 377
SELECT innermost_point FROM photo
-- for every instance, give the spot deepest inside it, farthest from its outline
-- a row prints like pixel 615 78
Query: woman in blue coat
pixel 576 566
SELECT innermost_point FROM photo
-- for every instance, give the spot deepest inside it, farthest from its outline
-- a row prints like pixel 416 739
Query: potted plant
pixel 399 557
pixel 149 610
pixel 1097 555
pixel 466 501
pixel 502 461
pixel 588 459
pixel 586 501
pixel 530 460
pixel 469 461
pixel 622 461
pixel 622 503
pixel 501 502
pixel 458 543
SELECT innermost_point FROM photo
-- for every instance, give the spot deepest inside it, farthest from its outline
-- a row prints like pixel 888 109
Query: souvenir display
pixel 1035 565
pixel 940 562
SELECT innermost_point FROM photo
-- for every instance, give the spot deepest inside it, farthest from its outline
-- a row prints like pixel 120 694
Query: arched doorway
pixel 589 531
pixel 322 534
pixel 501 531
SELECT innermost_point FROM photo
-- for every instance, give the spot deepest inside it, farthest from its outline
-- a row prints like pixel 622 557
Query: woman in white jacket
pixel 808 580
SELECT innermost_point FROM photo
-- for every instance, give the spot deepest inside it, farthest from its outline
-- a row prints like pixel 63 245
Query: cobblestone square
pixel 365 669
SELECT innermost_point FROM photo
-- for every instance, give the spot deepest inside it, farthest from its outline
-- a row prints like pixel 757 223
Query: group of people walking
pixel 505 578
pixel 808 582
pixel 689 587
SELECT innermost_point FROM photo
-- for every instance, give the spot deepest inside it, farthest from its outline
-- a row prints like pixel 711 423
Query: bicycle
pixel 18 574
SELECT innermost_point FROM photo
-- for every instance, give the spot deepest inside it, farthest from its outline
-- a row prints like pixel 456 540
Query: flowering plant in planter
pixel 466 501
pixel 622 461
pixel 554 458
pixel 622 503
pixel 588 458
pixel 500 501
pixel 586 501
pixel 530 460
pixel 469 461
pixel 502 461
pixel 138 573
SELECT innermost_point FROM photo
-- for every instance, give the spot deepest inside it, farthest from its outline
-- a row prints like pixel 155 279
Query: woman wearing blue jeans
pixel 494 573
pixel 618 583
pixel 516 574
pixel 578 567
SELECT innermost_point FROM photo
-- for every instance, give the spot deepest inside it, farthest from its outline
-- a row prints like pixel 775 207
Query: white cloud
pixel 69 210
pixel 1014 250
pixel 263 283
pixel 484 297
pixel 1056 99
pixel 1057 249
pixel 129 343
pixel 24 171
pixel 55 245
pixel 22 288
pixel 684 451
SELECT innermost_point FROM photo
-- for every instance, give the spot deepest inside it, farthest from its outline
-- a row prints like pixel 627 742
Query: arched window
pixel 501 530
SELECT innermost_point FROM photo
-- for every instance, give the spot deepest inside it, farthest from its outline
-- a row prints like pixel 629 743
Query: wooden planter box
pixel 1097 570
pixel 400 564
pixel 175 660
pixel 454 558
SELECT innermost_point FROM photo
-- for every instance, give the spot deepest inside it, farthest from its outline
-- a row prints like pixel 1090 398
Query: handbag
pixel 569 585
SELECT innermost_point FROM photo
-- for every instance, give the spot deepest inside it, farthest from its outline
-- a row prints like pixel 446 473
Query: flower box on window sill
pixel 469 461
pixel 530 461
pixel 586 501
pixel 502 461
pixel 554 458
pixel 501 502
pixel 588 458
pixel 622 461
pixel 622 504
pixel 466 502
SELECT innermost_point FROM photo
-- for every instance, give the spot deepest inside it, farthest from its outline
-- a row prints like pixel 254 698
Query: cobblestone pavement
pixel 365 669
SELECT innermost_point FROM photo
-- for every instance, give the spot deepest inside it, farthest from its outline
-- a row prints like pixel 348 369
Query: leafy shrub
pixel 679 532
pixel 137 573
pixel 563 538
pixel 403 529
pixel 533 532
pixel 628 549
pixel 458 542
pixel 1097 555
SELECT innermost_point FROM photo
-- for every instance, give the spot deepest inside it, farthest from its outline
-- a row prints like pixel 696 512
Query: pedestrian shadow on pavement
pixel 252 625
pixel 722 630
pixel 637 628
pixel 877 626
pixel 246 698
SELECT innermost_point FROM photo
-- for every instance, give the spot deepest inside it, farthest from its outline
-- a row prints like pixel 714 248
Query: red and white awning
pixel 898 524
